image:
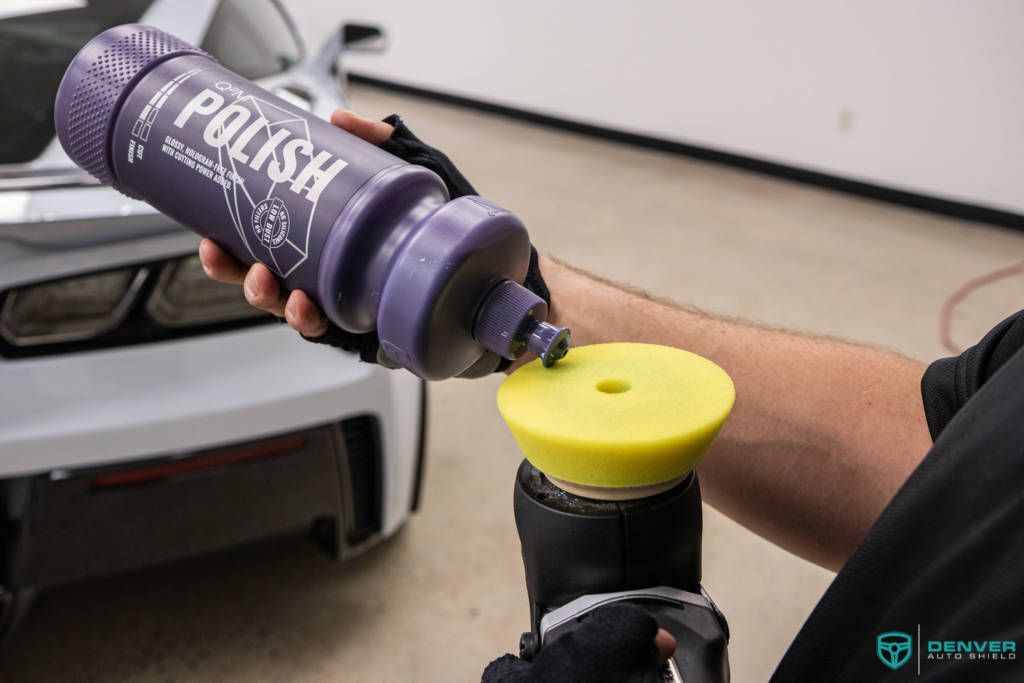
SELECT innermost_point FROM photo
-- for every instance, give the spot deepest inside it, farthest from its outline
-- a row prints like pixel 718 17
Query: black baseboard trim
pixel 944 207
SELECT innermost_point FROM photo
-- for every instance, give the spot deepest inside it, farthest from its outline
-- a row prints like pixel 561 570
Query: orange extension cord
pixel 946 316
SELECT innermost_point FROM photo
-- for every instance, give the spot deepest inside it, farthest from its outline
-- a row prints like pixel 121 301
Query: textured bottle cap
pixel 504 317
pixel 95 85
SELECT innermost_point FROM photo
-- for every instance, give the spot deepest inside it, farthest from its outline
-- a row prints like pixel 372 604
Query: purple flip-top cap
pixel 509 314
pixel 97 80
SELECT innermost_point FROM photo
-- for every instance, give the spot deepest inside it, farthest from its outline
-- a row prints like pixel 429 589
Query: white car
pixel 146 412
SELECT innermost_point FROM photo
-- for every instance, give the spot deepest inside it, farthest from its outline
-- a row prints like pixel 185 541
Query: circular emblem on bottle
pixel 270 222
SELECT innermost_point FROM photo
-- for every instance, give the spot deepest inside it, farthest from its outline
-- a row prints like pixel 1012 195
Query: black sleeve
pixel 949 383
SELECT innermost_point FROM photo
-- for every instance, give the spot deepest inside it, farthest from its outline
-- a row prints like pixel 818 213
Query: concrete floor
pixel 446 596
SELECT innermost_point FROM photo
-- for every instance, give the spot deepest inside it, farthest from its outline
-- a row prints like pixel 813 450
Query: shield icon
pixel 893 648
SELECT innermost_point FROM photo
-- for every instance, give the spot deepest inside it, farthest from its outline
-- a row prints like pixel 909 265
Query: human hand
pixel 259 284
pixel 616 643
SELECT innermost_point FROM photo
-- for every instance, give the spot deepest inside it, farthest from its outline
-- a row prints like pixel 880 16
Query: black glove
pixel 406 146
pixel 615 644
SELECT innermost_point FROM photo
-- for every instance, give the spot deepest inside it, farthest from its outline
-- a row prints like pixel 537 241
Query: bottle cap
pixel 511 318
pixel 95 84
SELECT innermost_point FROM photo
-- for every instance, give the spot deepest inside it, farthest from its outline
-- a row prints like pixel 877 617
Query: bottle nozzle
pixel 550 343
pixel 511 318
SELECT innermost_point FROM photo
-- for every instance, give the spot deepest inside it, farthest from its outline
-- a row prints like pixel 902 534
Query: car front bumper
pixel 88 409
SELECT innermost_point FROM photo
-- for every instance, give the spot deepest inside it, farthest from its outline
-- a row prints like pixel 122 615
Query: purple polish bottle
pixel 373 240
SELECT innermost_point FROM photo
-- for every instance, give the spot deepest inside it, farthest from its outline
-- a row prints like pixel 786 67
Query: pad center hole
pixel 613 386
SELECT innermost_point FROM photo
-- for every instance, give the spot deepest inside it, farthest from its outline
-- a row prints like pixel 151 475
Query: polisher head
pixel 617 415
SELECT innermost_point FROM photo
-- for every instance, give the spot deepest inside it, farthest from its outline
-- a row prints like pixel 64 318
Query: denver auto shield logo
pixel 893 648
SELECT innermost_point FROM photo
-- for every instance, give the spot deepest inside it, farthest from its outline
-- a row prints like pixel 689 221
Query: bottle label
pixel 259 175
pixel 251 134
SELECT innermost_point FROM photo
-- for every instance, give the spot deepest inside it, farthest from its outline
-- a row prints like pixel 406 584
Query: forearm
pixel 823 432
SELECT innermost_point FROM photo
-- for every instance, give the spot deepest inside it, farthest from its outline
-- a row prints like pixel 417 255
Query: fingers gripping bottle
pixel 373 240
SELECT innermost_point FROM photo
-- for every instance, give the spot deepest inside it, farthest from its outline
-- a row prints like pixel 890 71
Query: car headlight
pixel 184 296
pixel 70 309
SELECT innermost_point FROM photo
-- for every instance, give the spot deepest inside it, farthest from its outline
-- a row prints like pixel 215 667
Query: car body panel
pixel 103 407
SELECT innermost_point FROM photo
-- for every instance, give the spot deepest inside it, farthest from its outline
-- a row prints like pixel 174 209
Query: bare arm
pixel 823 433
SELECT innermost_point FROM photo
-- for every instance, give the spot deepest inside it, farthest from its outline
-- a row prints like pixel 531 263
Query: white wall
pixel 922 95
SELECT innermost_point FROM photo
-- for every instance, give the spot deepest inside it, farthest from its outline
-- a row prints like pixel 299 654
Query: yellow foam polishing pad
pixel 617 415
